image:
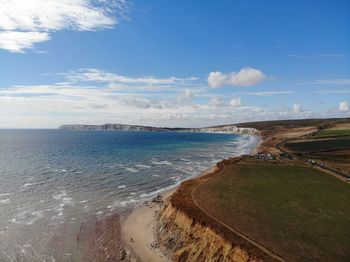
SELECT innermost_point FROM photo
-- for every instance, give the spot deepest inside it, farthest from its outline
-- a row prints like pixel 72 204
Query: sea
pixel 53 180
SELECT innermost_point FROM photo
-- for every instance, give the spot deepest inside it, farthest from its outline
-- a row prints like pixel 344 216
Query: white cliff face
pixel 229 129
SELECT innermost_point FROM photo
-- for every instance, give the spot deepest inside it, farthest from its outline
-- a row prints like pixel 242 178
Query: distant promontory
pixel 121 127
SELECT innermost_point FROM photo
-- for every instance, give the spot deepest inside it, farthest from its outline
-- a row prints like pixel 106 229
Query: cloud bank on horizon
pixel 81 61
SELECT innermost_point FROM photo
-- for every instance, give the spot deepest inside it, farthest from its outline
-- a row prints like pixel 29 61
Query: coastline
pixel 138 228
pixel 138 231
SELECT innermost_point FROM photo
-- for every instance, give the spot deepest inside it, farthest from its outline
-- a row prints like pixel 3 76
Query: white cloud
pixel 216 101
pixel 18 41
pixel 185 98
pixel 94 102
pixel 188 94
pixel 217 79
pixel 297 108
pixel 343 106
pixel 24 23
pixel 236 102
pixel 245 77
pixel 96 75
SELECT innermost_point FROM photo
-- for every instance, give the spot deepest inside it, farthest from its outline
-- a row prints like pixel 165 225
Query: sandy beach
pixel 138 229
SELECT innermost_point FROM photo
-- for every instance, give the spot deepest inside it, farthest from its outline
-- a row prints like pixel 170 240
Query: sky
pixel 172 63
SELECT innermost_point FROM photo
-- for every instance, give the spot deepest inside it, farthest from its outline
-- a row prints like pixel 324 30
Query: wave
pixel 64 200
pixel 4 201
pixel 246 144
pixel 151 194
pixel 161 162
pixel 130 169
pixel 27 217
pixel 143 166
pixel 124 203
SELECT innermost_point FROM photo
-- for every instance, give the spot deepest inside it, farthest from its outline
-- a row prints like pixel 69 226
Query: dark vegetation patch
pixel 318 145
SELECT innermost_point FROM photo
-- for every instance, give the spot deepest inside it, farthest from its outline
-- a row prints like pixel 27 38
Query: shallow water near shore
pixel 54 183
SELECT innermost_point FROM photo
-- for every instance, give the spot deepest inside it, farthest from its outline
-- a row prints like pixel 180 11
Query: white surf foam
pixel 143 166
pixel 5 201
pixel 130 169
pixel 27 217
pixel 246 144
pixel 161 162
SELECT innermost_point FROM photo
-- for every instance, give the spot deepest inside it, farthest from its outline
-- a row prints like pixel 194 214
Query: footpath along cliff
pixel 186 233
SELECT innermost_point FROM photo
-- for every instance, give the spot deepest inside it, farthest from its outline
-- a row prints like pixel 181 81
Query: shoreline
pixel 138 227
pixel 138 231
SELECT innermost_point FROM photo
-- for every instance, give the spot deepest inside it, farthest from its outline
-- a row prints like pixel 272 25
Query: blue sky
pixel 173 63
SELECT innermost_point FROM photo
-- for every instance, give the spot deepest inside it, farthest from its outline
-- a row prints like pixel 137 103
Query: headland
pixel 271 205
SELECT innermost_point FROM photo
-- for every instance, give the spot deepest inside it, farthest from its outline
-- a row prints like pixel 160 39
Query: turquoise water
pixel 55 178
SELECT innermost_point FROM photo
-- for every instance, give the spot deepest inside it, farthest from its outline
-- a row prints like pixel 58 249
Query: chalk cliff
pixel 225 129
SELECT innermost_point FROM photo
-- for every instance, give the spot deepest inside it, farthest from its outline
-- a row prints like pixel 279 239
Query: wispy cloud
pixel 26 23
pixel 96 75
pixel 15 41
pixel 339 81
pixel 333 91
pixel 317 56
pixel 268 93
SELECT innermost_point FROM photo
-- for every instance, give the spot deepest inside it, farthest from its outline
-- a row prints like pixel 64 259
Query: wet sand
pixel 101 239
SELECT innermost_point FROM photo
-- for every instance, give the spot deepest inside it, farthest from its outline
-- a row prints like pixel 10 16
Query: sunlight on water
pixel 53 180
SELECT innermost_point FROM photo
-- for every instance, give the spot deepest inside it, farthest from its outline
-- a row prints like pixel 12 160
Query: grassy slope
pixel 298 212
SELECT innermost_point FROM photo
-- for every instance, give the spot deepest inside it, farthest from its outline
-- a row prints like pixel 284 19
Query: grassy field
pixel 341 156
pixel 299 213
pixel 319 145
pixel 332 133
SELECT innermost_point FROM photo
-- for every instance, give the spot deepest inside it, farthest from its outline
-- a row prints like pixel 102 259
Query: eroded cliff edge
pixel 186 233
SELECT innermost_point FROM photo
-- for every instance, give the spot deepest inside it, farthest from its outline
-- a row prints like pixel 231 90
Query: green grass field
pixel 299 213
pixel 332 133
pixel 319 145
